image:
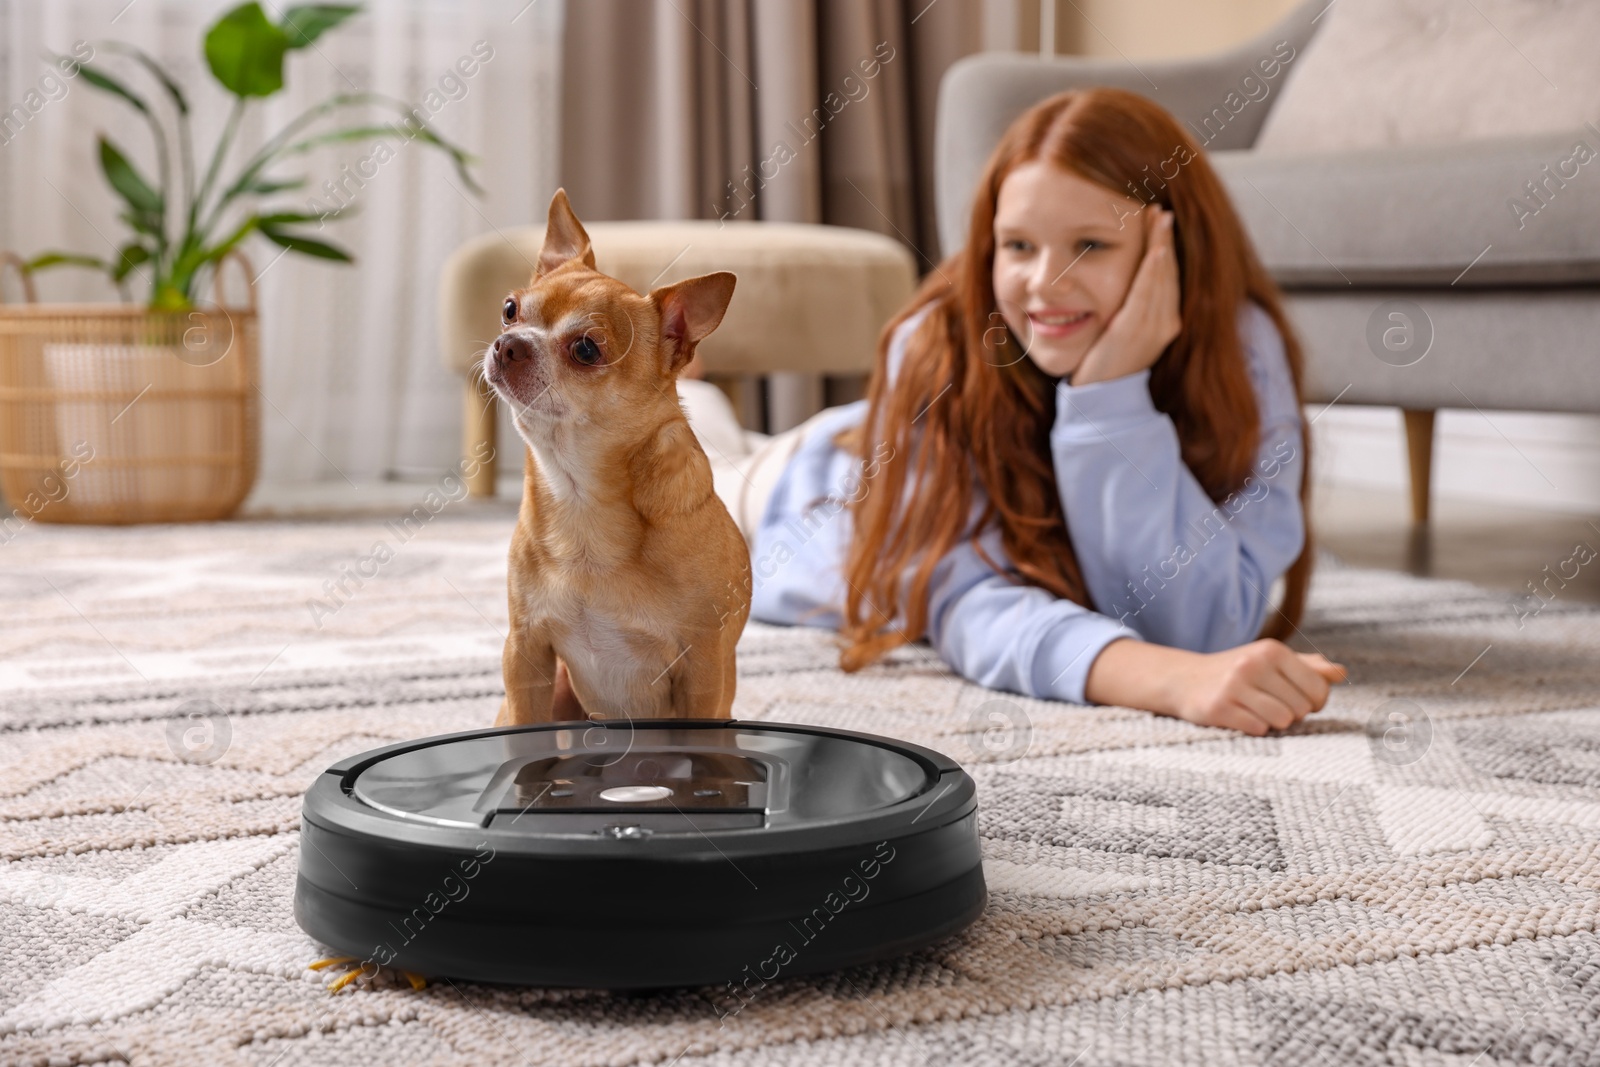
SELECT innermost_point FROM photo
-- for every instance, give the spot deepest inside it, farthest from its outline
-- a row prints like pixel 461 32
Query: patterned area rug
pixel 1410 877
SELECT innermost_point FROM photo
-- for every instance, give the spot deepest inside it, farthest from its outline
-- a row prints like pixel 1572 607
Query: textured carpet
pixel 1410 877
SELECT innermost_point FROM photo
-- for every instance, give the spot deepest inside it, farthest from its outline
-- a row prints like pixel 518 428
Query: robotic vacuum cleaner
pixel 646 854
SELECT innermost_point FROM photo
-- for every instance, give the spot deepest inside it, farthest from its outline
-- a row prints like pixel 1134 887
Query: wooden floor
pixel 1495 545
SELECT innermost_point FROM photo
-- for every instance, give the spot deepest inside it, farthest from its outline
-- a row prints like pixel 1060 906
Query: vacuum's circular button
pixel 635 794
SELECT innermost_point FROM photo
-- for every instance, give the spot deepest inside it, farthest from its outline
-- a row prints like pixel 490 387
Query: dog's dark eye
pixel 585 351
pixel 509 312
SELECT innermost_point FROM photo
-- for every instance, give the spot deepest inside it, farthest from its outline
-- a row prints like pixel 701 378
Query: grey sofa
pixel 1490 316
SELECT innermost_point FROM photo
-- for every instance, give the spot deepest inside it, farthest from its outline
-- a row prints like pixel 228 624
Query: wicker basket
pixel 112 413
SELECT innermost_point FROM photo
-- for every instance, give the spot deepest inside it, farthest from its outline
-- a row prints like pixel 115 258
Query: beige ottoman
pixel 810 298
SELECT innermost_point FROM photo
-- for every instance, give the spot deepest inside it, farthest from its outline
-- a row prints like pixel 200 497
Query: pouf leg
pixel 480 416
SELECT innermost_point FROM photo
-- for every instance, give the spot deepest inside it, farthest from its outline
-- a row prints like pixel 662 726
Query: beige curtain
pixel 676 109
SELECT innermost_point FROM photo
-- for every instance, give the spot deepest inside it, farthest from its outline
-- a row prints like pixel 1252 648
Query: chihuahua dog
pixel 626 568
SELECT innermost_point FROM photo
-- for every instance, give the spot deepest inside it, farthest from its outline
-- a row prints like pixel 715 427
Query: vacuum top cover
pixel 620 780
pixel 530 781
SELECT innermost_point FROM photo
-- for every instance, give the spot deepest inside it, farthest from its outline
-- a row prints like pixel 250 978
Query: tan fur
pixel 625 565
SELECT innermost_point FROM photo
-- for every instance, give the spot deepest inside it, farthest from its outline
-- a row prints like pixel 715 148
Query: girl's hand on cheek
pixel 1149 318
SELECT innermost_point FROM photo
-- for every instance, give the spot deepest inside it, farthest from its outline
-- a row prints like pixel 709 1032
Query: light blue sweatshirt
pixel 1161 561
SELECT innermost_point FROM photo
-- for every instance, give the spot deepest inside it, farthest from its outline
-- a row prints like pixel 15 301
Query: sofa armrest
pixel 1519 211
pixel 1223 99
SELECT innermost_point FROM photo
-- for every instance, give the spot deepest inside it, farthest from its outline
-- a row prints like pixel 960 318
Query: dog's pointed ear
pixel 564 236
pixel 690 310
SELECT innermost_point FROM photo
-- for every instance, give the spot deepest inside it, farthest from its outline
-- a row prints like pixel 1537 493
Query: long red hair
pixel 983 420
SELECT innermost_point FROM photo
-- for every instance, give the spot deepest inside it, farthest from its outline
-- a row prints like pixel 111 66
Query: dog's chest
pixel 618 667
pixel 616 672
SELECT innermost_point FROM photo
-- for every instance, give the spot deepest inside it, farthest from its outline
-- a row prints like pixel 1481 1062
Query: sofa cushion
pixel 1517 211
pixel 1389 73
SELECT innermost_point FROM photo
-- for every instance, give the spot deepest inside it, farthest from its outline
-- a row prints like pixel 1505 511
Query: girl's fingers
pixel 1154 241
pixel 1169 246
pixel 1266 707
pixel 1238 717
pixel 1163 260
pixel 1334 672
pixel 1143 291
pixel 1149 316
pixel 1304 676
pixel 1277 682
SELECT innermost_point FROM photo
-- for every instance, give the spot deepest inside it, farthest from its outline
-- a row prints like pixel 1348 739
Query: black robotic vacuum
pixel 633 855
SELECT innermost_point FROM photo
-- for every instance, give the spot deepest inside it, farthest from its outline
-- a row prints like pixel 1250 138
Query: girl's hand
pixel 1262 686
pixel 1148 320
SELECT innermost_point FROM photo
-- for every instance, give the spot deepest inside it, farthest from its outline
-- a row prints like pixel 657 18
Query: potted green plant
pixel 150 412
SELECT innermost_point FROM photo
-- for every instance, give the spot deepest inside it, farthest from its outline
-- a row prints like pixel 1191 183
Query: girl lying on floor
pixel 1081 469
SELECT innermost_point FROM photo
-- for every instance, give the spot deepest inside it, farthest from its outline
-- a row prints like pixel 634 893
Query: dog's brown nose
pixel 510 348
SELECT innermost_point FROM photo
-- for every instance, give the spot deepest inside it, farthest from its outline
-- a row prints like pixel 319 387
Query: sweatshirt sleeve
pixel 1156 552
pixel 1005 635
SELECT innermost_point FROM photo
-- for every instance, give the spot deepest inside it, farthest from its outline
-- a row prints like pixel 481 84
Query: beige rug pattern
pixel 1410 877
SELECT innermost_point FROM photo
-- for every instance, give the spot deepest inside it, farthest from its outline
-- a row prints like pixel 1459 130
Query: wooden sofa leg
pixel 480 416
pixel 1419 449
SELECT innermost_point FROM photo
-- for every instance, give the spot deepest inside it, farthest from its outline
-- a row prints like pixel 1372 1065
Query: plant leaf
pixel 305 245
pixel 306 22
pixel 284 218
pixel 216 252
pixel 127 181
pixel 62 259
pixel 245 52
pixel 407 129
pixel 278 145
pixel 130 257
pixel 109 84
pixel 142 222
pixel 357 133
pixel 178 99
pixel 267 186
pixel 194 256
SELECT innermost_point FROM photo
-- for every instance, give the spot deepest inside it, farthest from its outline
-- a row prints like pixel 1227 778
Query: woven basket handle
pixel 18 264
pixel 249 278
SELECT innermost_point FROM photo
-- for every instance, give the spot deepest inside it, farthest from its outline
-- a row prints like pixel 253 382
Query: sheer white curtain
pixel 350 359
